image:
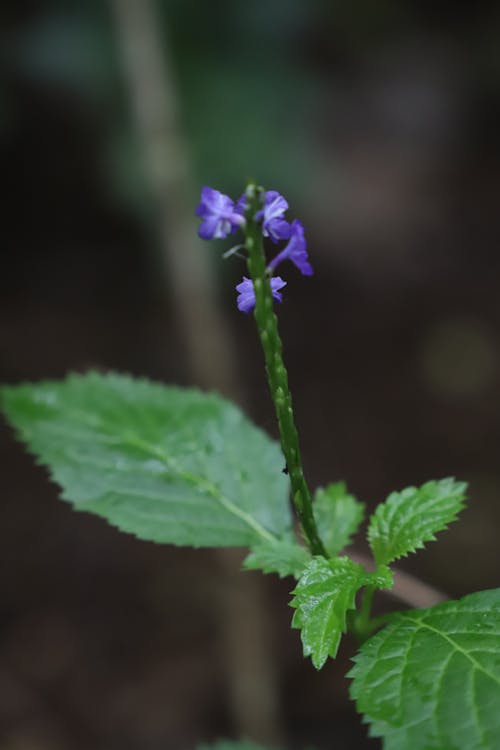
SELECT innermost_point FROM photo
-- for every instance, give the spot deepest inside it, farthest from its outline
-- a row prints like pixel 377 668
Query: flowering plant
pixel 182 467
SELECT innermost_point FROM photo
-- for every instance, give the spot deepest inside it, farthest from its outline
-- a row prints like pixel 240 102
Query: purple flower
pixel 295 251
pixel 273 223
pixel 241 204
pixel 219 214
pixel 246 293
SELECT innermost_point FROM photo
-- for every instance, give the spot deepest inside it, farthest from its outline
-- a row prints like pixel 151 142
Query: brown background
pixel 380 123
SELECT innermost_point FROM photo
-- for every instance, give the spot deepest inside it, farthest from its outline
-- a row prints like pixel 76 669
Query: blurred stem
pixel 188 273
pixel 362 625
pixel 189 278
pixel 267 325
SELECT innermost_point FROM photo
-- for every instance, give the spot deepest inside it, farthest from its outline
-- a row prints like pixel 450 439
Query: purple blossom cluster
pixel 221 217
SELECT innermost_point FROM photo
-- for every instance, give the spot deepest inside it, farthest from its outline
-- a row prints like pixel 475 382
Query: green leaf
pixel 164 463
pixel 409 518
pixel 338 516
pixel 322 597
pixel 284 557
pixel 430 680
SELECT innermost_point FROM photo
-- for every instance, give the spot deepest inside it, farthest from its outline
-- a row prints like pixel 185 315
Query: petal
pixel 295 250
pixel 246 303
pixel 214 202
pixel 241 204
pixel 246 296
pixel 224 228
pixel 277 229
pixel 274 205
pixel 245 285
pixel 208 200
pixel 283 255
pixel 303 265
pixel 277 283
pixel 208 228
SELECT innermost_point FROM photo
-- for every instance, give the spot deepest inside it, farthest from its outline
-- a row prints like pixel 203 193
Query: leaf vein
pixel 420 625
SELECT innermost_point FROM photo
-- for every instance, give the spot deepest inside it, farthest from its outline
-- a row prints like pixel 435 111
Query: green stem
pixel 363 625
pixel 267 326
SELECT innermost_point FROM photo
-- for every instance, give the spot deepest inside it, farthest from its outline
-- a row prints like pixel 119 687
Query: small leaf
pixel 284 557
pixel 322 597
pixel 164 463
pixel 338 516
pixel 430 680
pixel 409 518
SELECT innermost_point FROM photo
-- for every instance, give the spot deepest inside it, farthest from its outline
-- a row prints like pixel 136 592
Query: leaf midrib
pixel 203 485
pixel 479 667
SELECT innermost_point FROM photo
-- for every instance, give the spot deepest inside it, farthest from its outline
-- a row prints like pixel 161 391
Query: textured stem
pixel 267 326
pixel 363 623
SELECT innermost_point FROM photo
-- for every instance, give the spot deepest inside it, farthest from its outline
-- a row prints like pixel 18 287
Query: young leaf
pixel 284 557
pixel 409 518
pixel 322 597
pixel 338 516
pixel 164 463
pixel 431 678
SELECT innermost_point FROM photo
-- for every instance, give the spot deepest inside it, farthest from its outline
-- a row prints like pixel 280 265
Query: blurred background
pixel 380 123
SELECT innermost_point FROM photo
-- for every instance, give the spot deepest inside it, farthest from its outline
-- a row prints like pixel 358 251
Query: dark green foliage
pixel 430 680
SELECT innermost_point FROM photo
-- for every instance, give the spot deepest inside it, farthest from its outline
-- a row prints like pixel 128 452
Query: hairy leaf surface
pixel 338 516
pixel 430 680
pixel 164 463
pixel 408 519
pixel 284 557
pixel 324 594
